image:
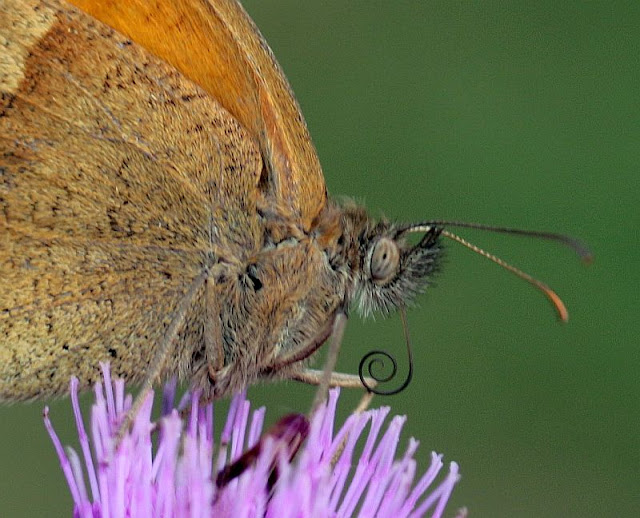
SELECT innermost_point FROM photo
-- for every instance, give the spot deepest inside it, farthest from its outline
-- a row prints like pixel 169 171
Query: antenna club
pixel 563 314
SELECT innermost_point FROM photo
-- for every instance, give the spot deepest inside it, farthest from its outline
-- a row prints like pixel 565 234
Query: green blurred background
pixel 512 113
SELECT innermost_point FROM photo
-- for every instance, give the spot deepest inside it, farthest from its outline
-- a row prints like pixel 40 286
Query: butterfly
pixel 163 209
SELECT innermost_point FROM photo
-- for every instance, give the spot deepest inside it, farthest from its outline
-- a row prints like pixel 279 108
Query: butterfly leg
pixel 213 331
pixel 328 377
pixel 325 378
pixel 164 349
pixel 336 379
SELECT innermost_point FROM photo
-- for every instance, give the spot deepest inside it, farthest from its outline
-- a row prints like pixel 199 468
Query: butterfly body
pixel 169 222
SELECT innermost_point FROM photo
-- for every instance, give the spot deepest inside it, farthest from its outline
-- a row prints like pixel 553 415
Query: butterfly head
pixel 385 269
pixel 393 271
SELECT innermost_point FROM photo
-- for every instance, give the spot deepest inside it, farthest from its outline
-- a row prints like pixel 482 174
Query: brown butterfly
pixel 162 206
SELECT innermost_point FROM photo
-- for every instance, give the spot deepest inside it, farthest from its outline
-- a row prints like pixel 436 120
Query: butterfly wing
pixel 216 45
pixel 120 182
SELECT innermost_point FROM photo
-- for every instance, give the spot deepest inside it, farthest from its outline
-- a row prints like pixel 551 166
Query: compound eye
pixel 385 258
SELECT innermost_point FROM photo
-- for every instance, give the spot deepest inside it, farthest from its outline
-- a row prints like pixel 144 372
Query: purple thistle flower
pixel 177 478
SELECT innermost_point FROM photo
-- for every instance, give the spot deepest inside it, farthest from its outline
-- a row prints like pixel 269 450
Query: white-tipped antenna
pixel 574 244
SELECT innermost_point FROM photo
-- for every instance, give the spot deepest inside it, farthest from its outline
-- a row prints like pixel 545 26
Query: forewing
pixel 215 44
pixel 120 181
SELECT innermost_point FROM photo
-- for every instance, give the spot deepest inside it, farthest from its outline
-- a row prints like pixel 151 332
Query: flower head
pixel 187 473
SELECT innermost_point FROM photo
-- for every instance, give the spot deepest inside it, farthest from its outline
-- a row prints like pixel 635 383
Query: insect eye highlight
pixel 385 258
